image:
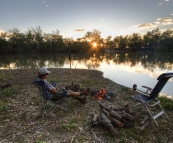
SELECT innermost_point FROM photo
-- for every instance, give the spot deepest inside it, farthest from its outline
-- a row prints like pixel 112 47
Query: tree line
pixel 34 40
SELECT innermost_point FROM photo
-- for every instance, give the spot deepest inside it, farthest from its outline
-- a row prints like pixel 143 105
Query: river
pixel 123 68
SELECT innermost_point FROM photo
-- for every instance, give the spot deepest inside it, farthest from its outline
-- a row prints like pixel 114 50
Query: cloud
pixel 99 21
pixel 147 25
pixel 47 5
pixel 79 30
pixel 171 14
pixel 124 20
pixel 164 1
pixel 165 21
pixel 159 22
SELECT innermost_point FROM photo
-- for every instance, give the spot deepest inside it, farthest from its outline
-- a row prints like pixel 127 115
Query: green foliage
pixel 166 102
pixel 3 106
pixel 70 126
pixel 34 40
pixel 9 92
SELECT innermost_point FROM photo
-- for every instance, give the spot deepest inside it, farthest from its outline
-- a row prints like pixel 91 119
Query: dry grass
pixel 22 119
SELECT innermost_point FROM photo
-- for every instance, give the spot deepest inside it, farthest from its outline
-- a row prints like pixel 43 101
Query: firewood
pixel 113 120
pixel 145 125
pixel 105 112
pixel 126 104
pixel 120 108
pixel 115 115
pixel 104 117
pixel 95 117
pixel 108 125
pixel 5 85
pixel 128 116
pixel 131 112
pixel 138 115
pixel 102 106
pixel 144 120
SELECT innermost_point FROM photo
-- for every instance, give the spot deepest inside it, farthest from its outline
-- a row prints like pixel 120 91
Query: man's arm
pixel 53 90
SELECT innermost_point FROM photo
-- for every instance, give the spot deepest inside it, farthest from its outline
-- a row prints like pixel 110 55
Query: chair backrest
pixel 42 88
pixel 162 80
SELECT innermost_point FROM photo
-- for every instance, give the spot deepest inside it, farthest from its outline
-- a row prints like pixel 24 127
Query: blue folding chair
pixel 48 105
pixel 151 95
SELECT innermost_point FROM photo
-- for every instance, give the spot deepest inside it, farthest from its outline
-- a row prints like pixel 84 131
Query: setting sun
pixel 94 44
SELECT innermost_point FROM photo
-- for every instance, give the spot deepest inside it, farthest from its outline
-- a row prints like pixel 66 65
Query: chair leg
pixel 163 111
pixel 150 114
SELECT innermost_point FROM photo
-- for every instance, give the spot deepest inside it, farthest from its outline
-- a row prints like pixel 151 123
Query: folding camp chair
pixel 50 106
pixel 149 99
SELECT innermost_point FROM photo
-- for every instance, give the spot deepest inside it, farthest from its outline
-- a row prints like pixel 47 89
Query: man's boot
pixel 86 92
pixel 82 100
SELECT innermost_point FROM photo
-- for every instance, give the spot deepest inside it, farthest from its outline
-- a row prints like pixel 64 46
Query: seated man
pixel 52 92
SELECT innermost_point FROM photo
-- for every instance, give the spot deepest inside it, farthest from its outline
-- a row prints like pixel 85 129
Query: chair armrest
pixel 148 88
pixel 142 93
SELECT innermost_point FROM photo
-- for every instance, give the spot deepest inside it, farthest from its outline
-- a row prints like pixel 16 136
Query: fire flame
pixel 100 95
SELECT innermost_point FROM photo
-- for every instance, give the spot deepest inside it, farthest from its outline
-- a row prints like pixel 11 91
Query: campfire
pixel 101 94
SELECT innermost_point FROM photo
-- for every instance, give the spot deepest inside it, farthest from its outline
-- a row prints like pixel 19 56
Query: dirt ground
pixel 22 118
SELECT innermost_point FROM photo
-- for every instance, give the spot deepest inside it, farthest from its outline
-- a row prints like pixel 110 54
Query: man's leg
pixel 76 95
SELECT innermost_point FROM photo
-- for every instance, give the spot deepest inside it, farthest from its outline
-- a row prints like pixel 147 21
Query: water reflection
pixel 123 68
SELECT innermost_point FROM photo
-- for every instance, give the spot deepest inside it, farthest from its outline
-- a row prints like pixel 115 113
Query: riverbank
pixel 22 120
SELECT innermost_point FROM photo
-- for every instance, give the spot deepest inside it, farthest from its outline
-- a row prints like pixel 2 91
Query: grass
pixel 76 122
pixel 2 76
pixel 9 92
pixel 166 102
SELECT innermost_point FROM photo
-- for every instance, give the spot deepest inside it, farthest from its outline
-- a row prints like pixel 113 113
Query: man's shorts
pixel 66 93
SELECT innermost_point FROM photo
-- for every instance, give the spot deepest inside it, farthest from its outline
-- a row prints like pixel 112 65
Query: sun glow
pixel 94 44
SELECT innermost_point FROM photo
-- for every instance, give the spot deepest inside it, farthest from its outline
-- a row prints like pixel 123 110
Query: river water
pixel 123 68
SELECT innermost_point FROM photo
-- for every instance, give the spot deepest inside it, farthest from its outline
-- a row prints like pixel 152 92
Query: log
pixel 128 116
pixel 95 117
pixel 126 123
pixel 131 112
pixel 102 106
pixel 118 108
pixel 145 125
pixel 115 115
pixel 144 120
pixel 138 115
pixel 126 104
pixel 108 125
pixel 115 121
pixel 5 85
pixel 104 117
pixel 105 112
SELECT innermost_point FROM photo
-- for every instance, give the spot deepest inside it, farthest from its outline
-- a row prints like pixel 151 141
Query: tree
pixel 93 37
pixel 38 36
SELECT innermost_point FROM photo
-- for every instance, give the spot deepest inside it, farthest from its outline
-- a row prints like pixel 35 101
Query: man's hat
pixel 43 70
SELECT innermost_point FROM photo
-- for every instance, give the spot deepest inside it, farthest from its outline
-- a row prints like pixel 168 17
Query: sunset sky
pixel 73 18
